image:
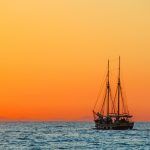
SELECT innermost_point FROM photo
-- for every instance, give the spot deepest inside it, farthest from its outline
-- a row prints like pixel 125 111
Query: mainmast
pixel 108 90
pixel 119 89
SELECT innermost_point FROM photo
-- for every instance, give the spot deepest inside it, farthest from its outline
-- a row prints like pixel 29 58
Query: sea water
pixel 71 135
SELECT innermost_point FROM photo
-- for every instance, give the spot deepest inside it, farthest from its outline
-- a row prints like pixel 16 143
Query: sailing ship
pixel 113 114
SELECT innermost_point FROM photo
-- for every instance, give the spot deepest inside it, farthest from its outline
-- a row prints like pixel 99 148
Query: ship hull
pixel 114 126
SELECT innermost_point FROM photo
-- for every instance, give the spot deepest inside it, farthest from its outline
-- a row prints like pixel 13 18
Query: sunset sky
pixel 53 55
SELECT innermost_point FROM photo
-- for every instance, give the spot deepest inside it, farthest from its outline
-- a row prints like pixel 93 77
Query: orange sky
pixel 53 54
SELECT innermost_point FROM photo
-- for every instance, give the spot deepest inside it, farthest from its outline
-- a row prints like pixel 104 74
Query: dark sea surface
pixel 71 135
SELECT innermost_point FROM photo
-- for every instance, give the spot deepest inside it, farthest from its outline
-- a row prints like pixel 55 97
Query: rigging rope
pixel 113 100
pixel 100 91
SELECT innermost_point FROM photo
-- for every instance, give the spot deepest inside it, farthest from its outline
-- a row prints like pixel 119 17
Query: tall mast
pixel 108 90
pixel 119 89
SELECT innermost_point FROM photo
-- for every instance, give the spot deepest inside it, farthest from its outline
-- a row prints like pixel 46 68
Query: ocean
pixel 71 135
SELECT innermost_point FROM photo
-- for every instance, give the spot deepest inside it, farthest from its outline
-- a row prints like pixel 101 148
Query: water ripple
pixel 71 135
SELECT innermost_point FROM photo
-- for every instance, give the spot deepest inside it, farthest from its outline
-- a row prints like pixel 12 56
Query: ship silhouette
pixel 113 113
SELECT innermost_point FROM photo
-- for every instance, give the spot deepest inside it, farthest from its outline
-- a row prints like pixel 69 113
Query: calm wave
pixel 71 135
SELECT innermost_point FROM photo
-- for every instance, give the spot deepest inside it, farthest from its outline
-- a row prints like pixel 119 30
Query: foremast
pixel 108 89
pixel 119 88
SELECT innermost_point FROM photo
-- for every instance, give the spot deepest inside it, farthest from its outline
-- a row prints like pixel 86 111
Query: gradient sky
pixel 53 54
